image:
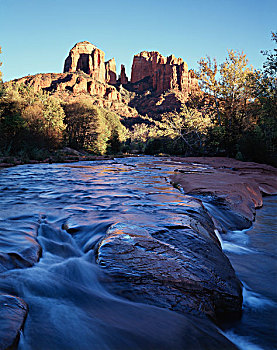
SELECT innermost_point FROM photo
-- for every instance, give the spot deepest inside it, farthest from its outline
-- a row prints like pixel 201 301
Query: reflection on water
pixel 68 209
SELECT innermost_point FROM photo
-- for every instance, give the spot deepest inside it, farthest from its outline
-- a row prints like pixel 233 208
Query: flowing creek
pixel 253 254
pixel 68 209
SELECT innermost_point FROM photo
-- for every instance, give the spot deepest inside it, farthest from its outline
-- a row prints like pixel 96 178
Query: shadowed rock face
pixel 13 312
pixel 123 76
pixel 180 268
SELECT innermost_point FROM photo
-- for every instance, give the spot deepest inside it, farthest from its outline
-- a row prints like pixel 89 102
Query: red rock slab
pixel 239 184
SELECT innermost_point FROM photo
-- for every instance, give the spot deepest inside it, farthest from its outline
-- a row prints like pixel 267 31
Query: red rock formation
pixel 162 73
pixel 193 83
pixel 110 67
pixel 123 77
pixel 85 71
pixel 88 58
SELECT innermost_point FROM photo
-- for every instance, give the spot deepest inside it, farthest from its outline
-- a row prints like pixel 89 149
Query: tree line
pixel 234 114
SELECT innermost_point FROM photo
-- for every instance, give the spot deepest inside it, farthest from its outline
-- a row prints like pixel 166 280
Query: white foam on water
pixel 242 342
pixel 232 247
pixel 235 248
pixel 239 236
pixel 219 237
pixel 236 243
pixel 254 300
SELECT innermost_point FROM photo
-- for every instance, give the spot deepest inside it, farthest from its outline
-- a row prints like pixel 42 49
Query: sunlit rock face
pixel 123 77
pixel 88 58
pixel 110 67
pixel 158 84
pixel 13 312
pixel 162 73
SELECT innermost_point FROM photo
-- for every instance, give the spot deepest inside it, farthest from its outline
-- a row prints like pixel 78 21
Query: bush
pixel 92 128
pixel 29 120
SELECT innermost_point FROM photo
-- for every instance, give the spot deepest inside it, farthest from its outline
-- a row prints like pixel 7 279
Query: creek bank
pixel 65 155
pixel 156 249
pixel 234 187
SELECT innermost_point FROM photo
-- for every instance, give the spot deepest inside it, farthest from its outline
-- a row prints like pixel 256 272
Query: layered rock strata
pixel 162 73
pixel 71 86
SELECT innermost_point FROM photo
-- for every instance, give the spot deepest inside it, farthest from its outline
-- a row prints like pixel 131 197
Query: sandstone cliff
pixel 110 67
pixel 88 58
pixel 158 84
pixel 162 73
pixel 123 77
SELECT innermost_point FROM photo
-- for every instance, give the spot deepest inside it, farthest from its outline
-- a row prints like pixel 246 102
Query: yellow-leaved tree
pixel 188 125
pixel 228 87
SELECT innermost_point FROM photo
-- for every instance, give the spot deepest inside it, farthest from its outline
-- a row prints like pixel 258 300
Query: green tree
pixel 92 128
pixel 270 65
pixel 264 88
pixel 189 126
pixel 229 88
pixel 1 81
pixel 208 81
pixel 80 124
pixel 39 116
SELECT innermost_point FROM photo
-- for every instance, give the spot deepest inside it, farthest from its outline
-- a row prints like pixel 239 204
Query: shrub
pixel 92 128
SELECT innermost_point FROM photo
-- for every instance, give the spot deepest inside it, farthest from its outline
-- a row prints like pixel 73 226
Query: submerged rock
pixel 179 268
pixel 13 312
pixel 18 254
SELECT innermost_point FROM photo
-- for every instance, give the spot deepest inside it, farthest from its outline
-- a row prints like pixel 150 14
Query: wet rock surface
pixel 18 250
pixel 13 312
pixel 127 260
pixel 235 187
pixel 177 268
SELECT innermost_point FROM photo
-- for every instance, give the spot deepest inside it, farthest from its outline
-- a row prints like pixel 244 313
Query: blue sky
pixel 36 35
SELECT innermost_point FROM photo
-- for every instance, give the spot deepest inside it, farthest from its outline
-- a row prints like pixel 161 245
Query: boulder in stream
pixel 13 312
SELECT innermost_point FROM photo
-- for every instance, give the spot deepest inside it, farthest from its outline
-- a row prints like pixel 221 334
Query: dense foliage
pixel 29 120
pixel 234 114
pixel 94 129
